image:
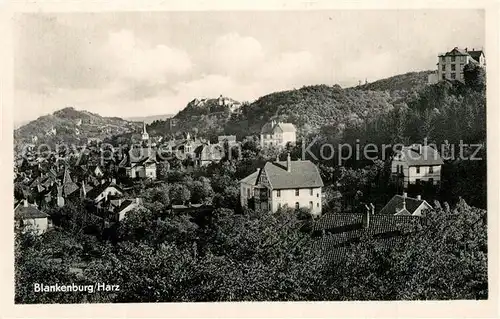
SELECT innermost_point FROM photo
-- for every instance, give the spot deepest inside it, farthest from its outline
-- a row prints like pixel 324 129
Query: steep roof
pixel 137 155
pixel 286 127
pixel 27 212
pixel 267 128
pixel 270 127
pixel 251 179
pixel 303 174
pixel 96 191
pixel 427 156
pixel 395 205
pixel 344 229
pixel 455 51
pixel 476 54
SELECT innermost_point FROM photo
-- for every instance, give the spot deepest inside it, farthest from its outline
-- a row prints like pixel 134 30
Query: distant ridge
pixel 69 125
pixel 149 119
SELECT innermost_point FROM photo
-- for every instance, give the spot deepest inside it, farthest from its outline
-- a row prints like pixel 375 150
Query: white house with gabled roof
pixel 294 184
pixel 277 134
pixel 417 164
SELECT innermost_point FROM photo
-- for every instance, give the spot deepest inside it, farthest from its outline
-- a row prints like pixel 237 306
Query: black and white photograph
pixel 250 155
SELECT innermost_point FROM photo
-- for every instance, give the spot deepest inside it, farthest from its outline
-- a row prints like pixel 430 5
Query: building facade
pixel 451 64
pixel 417 164
pixel 277 134
pixel 280 184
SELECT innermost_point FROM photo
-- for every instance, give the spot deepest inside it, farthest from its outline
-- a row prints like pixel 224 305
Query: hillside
pixel 399 86
pixel 208 106
pixel 309 108
pixel 71 126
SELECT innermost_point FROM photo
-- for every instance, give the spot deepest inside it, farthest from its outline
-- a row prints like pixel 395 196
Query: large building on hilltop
pixel 296 184
pixel 451 64
pixel 277 134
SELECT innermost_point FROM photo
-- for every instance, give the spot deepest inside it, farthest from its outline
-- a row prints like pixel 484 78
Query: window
pixel 248 192
pixel 431 181
pixel 311 192
pixel 317 204
pixel 418 169
pixel 317 194
pixel 279 205
pixel 297 192
pixel 311 205
pixel 431 169
pixel 453 76
pixel 443 76
pixel 453 67
pixel 443 67
pixel 297 205
pixel 278 193
pixel 453 59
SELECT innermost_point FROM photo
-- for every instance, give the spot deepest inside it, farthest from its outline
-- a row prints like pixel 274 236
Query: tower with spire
pixel 145 135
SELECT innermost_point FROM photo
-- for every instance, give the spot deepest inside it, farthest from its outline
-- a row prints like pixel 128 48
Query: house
pixel 416 164
pixel 289 183
pixel 29 218
pixel 277 134
pixel 334 233
pixel 451 64
pixel 404 205
pixel 207 153
pixel 104 192
pixel 95 170
pixel 140 163
pixel 247 186
pixel 123 206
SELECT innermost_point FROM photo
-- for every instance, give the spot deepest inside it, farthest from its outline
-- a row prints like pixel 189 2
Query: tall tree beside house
pixel 475 76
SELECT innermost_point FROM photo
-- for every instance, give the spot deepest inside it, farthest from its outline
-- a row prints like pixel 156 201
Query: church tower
pixel 145 135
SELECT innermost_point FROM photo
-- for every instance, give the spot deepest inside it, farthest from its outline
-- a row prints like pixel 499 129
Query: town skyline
pixel 100 68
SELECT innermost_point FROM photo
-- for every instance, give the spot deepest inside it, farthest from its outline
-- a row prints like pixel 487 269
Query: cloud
pixel 233 54
pixel 131 59
pixel 287 67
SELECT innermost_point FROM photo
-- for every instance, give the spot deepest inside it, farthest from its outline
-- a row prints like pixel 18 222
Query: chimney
pixel 366 217
pixel 466 50
pixel 113 180
pixel 288 163
pixel 419 197
pixel 25 202
pixel 405 195
pixel 273 123
pixel 372 208
pixel 103 181
pixel 404 202
pixel 277 158
pixel 119 202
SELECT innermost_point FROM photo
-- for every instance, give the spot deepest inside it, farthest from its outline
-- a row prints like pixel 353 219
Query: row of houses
pixel 298 183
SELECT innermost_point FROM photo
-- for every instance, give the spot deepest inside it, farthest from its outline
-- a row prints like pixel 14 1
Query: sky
pixel 138 63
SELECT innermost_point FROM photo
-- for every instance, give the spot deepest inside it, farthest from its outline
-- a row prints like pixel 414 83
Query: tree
pixel 475 76
pixel 440 256
pixel 179 193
